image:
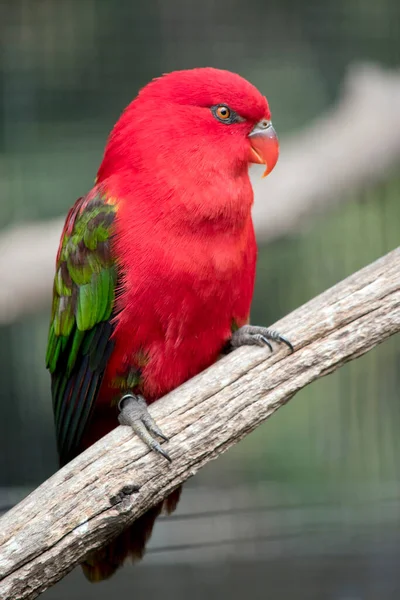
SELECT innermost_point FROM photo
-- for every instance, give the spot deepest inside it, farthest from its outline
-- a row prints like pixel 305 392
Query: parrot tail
pixel 103 563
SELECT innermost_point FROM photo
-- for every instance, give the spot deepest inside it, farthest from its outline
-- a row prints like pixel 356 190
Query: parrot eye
pixel 224 114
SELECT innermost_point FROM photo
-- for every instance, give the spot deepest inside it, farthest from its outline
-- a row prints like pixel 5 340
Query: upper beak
pixel 264 145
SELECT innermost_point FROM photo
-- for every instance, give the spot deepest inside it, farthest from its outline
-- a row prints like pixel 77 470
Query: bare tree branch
pixel 354 144
pixel 78 509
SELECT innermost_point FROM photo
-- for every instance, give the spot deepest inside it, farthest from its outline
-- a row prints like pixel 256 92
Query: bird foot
pixel 252 335
pixel 134 412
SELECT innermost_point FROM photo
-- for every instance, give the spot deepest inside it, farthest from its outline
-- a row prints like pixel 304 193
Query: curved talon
pixel 266 342
pixel 157 448
pixel 152 426
pixel 255 335
pixel 286 341
pixel 134 412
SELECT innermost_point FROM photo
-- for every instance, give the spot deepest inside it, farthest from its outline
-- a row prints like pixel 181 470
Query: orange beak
pixel 264 145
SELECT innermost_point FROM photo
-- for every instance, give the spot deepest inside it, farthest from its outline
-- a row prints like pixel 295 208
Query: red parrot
pixel 156 265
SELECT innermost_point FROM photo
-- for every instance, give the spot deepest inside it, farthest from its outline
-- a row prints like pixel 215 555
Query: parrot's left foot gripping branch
pixel 254 335
pixel 134 412
pixel 133 407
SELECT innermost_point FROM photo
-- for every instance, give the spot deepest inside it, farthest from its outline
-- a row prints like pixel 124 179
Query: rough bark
pixel 78 509
pixel 354 144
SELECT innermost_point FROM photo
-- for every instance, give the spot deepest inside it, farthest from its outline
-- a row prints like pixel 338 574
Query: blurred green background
pixel 307 506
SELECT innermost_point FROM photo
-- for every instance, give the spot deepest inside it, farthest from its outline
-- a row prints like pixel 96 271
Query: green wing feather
pixel 79 343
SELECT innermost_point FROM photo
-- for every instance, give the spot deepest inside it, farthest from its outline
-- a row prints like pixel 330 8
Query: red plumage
pixel 184 244
pixel 184 234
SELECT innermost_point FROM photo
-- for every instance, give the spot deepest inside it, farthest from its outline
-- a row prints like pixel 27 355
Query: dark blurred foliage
pixel 67 69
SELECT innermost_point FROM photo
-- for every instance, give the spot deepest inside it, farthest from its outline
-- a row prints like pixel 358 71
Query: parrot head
pixel 205 120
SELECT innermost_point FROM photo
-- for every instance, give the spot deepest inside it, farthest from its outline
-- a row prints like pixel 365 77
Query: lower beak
pixel 264 145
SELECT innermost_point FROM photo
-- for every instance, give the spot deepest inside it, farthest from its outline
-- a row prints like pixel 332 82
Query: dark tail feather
pixel 171 502
pixel 130 543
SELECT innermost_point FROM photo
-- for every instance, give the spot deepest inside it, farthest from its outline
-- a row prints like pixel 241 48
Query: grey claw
pixel 157 448
pixel 255 335
pixel 266 342
pixel 134 412
pixel 286 341
pixel 152 426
